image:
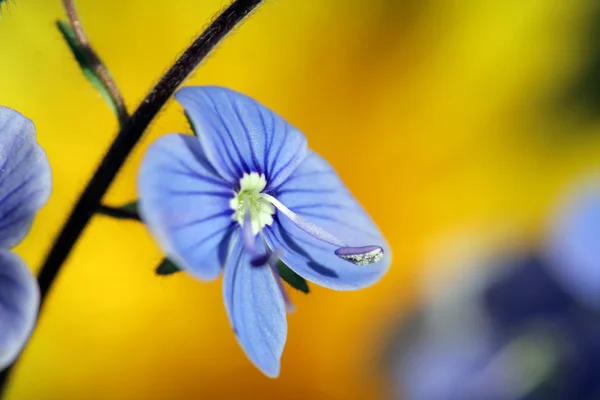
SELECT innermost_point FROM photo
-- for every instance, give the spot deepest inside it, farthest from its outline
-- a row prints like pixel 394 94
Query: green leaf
pixel 126 211
pixel 131 207
pixel 292 278
pixel 86 64
pixel 167 267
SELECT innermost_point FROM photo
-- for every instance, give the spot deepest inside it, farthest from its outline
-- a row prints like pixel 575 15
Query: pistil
pixel 249 202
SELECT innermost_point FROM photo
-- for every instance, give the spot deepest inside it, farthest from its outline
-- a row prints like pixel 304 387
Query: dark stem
pixel 99 68
pixel 125 141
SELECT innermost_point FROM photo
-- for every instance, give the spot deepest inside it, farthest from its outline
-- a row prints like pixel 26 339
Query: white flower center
pixel 249 199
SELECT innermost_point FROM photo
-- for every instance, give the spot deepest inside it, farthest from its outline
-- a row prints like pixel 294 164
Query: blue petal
pixel 185 204
pixel 239 135
pixel 315 192
pixel 25 181
pixel 19 301
pixel 256 310
pixel 574 243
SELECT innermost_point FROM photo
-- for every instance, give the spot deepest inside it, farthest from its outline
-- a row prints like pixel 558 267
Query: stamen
pixel 289 306
pixel 247 233
pixel 364 255
pixel 270 257
pixel 261 259
pixel 303 224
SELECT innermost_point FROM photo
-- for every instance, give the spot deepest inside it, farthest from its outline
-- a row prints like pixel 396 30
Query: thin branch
pixel 129 135
pixel 132 131
pixel 96 62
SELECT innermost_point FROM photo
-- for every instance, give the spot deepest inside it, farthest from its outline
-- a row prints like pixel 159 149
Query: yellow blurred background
pixel 441 116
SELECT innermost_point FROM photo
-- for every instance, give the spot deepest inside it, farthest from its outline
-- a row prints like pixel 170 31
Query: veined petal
pixel 185 204
pixel 239 135
pixel 256 309
pixel 19 302
pixel 315 193
pixel 25 180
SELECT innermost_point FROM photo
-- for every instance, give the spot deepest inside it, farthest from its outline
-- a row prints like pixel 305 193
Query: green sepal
pixel 132 207
pixel 292 278
pixel 126 211
pixel 189 120
pixel 167 267
pixel 86 64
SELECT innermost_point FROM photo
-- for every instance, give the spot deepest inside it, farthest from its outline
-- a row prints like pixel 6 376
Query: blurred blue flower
pixel 245 193
pixel 573 244
pixel 525 296
pixel 25 185
pixel 438 369
pixel 535 342
pixel 522 290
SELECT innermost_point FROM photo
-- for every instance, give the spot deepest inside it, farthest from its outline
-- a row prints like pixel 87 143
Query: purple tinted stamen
pixel 303 224
pixel 270 257
pixel 286 298
pixel 247 234
pixel 261 259
pixel 363 255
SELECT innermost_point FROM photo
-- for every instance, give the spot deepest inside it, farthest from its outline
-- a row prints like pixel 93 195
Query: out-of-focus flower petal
pixel 521 290
pixel 239 135
pixel 449 371
pixel 579 377
pixel 574 243
pixel 185 204
pixel 19 301
pixel 315 192
pixel 25 179
pixel 256 309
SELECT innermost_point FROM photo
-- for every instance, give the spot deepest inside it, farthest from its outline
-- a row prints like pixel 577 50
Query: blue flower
pixel 25 185
pixel 245 193
pixel 573 243
pixel 522 337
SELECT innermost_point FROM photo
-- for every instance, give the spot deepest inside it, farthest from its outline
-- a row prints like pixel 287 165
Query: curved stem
pixel 130 133
pixel 96 62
